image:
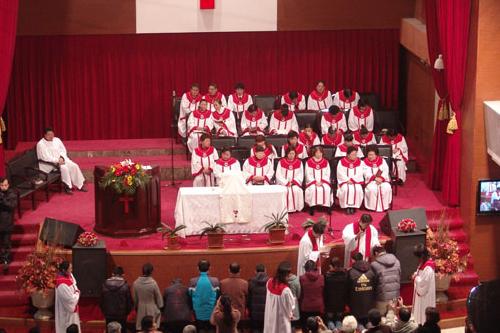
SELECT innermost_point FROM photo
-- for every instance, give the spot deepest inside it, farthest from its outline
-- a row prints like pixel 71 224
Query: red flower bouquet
pixel 125 177
pixel 87 239
pixel 407 225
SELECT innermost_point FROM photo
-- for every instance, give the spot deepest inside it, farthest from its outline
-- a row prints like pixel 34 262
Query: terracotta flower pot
pixel 442 285
pixel 215 240
pixel 277 236
pixel 43 302
pixel 173 243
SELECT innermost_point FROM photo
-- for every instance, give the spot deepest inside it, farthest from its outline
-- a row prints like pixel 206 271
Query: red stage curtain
pixel 103 87
pixel 8 25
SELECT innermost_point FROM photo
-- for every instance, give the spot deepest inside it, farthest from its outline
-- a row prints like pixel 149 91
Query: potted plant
pixel 172 234
pixel 37 278
pixel 215 235
pixel 445 253
pixel 277 227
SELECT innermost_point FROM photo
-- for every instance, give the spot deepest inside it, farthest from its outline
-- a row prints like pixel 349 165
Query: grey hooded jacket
pixel 388 271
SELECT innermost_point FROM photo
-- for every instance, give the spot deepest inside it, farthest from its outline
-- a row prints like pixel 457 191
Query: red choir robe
pixel 291 175
pixel 378 197
pixel 254 167
pixel 358 119
pixel 299 105
pixel 224 166
pixel 198 119
pixel 334 121
pixel 342 151
pixel 318 185
pixel 270 152
pixel 368 140
pixel 279 125
pixel 308 142
pixel 200 159
pixel 300 150
pixel 210 100
pixel 319 101
pixel 224 123
pixel 399 153
pixel 350 195
pixel 188 105
pixel 239 103
pixel 249 121
pixel 335 141
pixel 345 103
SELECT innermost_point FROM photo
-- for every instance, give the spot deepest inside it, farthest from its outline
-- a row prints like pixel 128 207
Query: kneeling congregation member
pixel 199 122
pixel 350 178
pixel 203 163
pixel 52 155
pixel 318 186
pixel 226 163
pixel 258 169
pixel 290 173
pixel 378 191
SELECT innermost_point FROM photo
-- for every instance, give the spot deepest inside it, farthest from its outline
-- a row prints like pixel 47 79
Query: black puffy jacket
pixel 116 300
pixel 257 296
pixel 362 284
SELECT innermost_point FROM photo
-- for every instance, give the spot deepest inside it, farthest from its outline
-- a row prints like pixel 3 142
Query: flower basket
pixel 125 177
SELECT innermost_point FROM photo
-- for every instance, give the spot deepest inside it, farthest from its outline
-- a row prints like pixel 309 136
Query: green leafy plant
pixel 310 222
pixel 212 229
pixel 167 231
pixel 277 221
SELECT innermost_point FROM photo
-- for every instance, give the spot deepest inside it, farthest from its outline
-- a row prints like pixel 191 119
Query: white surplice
pixel 239 103
pixel 66 305
pixel 378 197
pixel 317 101
pixel 291 175
pixel 201 159
pixel 337 122
pixel 318 190
pixel 210 100
pixel 198 119
pixel 280 304
pixel 351 243
pixel 424 292
pixel 342 151
pixel 51 151
pixel 249 122
pixel 306 251
pixel 399 152
pixel 299 105
pixel 358 119
pixel 254 167
pixel 222 166
pixel 279 125
pixel 188 105
pixel 350 194
pixel 224 123
pixel 345 103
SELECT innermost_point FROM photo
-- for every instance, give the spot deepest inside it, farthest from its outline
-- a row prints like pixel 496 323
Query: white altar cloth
pixel 197 204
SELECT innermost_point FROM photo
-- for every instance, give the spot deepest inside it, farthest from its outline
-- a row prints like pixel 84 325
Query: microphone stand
pixel 173 138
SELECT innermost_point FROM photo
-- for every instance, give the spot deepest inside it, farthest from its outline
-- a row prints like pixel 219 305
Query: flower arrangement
pixel 407 225
pixel 444 250
pixel 125 177
pixel 39 271
pixel 87 239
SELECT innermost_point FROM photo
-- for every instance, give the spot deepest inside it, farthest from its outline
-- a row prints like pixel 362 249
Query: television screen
pixel 488 197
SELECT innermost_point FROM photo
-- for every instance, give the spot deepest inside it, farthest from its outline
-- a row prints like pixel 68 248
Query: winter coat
pixel 311 297
pixel 294 285
pixel 148 300
pixel 237 289
pixel 388 271
pixel 257 296
pixel 8 201
pixel 204 297
pixel 335 292
pixel 362 283
pixel 116 299
pixel 177 303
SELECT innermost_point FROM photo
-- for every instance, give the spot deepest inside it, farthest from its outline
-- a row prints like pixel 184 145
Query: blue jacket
pixel 204 291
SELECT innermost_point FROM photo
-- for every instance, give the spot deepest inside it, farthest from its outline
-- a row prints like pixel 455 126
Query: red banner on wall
pixel 207 4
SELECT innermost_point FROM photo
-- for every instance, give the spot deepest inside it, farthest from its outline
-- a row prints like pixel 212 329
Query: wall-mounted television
pixel 488 197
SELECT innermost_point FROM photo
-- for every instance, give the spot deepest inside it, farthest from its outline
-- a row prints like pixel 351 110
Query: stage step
pixel 21 252
pixel 14 267
pixel 15 297
pixel 19 239
pixel 8 282
pixel 467 278
pixel 28 228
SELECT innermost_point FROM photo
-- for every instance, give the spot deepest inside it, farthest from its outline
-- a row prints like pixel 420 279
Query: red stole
pixel 333 118
pixel 358 138
pixel 389 141
pixel 374 164
pixel 343 147
pixel 276 287
pixel 204 152
pixel 313 240
pixel 344 99
pixel 308 141
pixel 226 163
pixel 429 263
pixel 333 142
pixel 362 114
pixel 288 100
pixel 290 165
pixel 255 117
pixel 319 97
pixel 202 114
pixel 253 161
pixel 368 240
pixel 191 99
pixel 279 116
pixel 67 280
pixel 268 152
pixel 240 100
pixel 347 163
pixel 211 99
pixel 321 164
pixel 221 116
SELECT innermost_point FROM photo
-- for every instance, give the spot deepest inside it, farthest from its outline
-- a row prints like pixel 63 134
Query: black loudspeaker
pixel 56 232
pixel 393 217
pixel 89 268
pixel 403 244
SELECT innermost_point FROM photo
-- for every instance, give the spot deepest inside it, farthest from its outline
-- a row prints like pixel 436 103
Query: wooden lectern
pixel 127 216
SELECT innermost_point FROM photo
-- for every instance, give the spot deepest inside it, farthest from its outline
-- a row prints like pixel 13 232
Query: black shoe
pixel 311 211
pixel 69 191
pixel 83 189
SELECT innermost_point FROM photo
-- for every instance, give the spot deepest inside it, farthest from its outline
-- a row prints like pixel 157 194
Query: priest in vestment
pixel 67 296
pixel 361 115
pixel 359 237
pixel 214 95
pixel 334 119
pixel 350 178
pixel 424 284
pixel 189 103
pixel 346 99
pixel 200 122
pixel 52 151
pixel 320 98
pixel 378 190
pixel 310 246
pixel 290 173
pixel 253 121
pixel 225 164
pixel 223 119
pixel 283 121
pixel 203 163
pixel 280 301
pixel 239 101
pixel 258 169
pixel 295 101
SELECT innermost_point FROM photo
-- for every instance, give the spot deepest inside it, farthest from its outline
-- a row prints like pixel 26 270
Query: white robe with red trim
pixel 342 151
pixel 198 119
pixel 224 123
pixel 222 166
pixel 308 142
pixel 210 100
pixel 270 152
pixel 300 151
pixel 424 292
pixel 254 167
pixel 279 125
pixel 278 310
pixel 378 197
pixel 350 195
pixel 66 305
pixel 305 250
pixel 358 119
pixel 300 105
pixel 399 152
pixel 345 103
pixel 291 175
pixel 257 122
pixel 350 243
pixel 318 190
pixel 200 159
pixel 318 101
pixel 334 121
pixel 360 141
pixel 188 105
pixel 335 141
pixel 239 103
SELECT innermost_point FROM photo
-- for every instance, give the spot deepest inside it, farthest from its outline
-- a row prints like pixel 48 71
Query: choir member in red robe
pixel 295 101
pixel 224 122
pixel 269 150
pixel 293 143
pixel 189 103
pixel 346 99
pixel 200 121
pixel 334 118
pixel 239 101
pixel 320 98
pixel 203 162
pixel 378 191
pixel 213 95
pixel 350 180
pixel 399 152
pixel 318 182
pixel 361 115
pixel 253 122
pixel 364 137
pixel 308 137
pixel 290 173
pixel 226 164
pixel 283 121
pixel 258 169
pixel 348 142
pixel 334 138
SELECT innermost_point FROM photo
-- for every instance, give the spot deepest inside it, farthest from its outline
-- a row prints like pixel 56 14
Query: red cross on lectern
pixel 126 201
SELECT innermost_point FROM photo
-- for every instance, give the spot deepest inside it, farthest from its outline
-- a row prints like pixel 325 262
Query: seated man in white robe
pixel 258 169
pixel 346 99
pixel 53 155
pixel 320 98
pixel 67 297
pixel 200 122
pixel 203 163
pixel 334 119
pixel 269 150
pixel 310 246
pixel 318 190
pixel 283 121
pixel 359 237
pixel 424 284
pixel 225 164
pixel 213 95
pixel 295 101
pixel 399 152
pixel 290 173
pixel 189 102
pixel 224 122
pixel 350 180
pixel 364 137
pixel 348 142
pixel 308 137
pixel 293 143
pixel 361 115
pixel 239 101
pixel 378 190
pixel 253 122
